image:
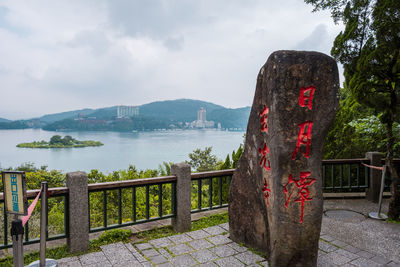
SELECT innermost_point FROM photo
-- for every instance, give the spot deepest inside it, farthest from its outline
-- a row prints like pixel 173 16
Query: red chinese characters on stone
pixel 306 94
pixel 303 193
pixel 263 120
pixel 266 191
pixel 263 161
pixel 304 138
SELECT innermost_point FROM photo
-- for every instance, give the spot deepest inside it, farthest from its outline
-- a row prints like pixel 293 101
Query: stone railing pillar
pixel 78 240
pixel 375 176
pixel 182 221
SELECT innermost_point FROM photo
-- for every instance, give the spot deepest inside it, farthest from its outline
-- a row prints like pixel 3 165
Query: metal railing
pixel 210 189
pixel 345 175
pixel 59 197
pixel 125 203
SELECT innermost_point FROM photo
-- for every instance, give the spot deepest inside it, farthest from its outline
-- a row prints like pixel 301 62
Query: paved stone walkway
pixel 212 247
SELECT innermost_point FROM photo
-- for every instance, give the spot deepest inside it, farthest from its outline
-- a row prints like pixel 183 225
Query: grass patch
pixel 393 221
pixel 112 236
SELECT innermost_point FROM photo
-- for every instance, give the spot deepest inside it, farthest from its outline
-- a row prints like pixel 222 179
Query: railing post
pixel 372 193
pixel 182 221
pixel 78 240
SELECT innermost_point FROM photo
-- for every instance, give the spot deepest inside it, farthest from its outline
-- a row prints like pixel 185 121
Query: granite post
pixel 275 198
pixel 78 240
pixel 375 176
pixel 182 221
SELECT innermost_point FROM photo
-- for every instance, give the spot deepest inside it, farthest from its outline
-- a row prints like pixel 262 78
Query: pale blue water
pixel 143 149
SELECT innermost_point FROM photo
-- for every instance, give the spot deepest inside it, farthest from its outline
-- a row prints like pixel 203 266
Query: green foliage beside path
pixel 369 49
pixel 56 141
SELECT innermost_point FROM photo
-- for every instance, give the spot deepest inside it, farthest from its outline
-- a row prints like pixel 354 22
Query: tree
pixel 203 160
pixel 369 49
pixel 55 139
pixel 67 140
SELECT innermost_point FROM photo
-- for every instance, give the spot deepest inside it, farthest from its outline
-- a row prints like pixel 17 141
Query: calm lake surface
pixel 142 149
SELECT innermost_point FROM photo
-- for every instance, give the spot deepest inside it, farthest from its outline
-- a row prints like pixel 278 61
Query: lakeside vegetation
pixel 199 159
pixel 56 141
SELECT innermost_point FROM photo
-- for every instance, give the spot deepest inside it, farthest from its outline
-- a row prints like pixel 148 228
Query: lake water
pixel 142 149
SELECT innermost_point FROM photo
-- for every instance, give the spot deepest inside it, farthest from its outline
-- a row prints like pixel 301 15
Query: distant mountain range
pixel 156 115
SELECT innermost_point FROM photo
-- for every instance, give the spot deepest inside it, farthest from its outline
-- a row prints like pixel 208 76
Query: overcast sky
pixel 63 55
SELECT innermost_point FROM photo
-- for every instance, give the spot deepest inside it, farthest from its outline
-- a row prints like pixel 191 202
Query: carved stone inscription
pixel 275 198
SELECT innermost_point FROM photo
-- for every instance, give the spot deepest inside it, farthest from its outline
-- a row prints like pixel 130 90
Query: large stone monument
pixel 275 198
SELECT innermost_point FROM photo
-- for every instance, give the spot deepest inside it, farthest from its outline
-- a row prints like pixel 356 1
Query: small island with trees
pixel 56 141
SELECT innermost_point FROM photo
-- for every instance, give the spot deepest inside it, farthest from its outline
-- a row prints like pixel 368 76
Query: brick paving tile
pixel 208 264
pixel 362 262
pixel 229 262
pixel 393 264
pixel 380 259
pixel 321 262
pixel 204 256
pixel 150 252
pixel 161 242
pixel 143 246
pixel 139 257
pixel 225 226
pixel 347 254
pixel 365 254
pixel 352 249
pixel 264 263
pixel 179 239
pixel 223 251
pixel 128 264
pixel 198 234
pixel 335 258
pixel 237 247
pixel 117 253
pixel 200 244
pixel 180 249
pixel 214 230
pixel 339 243
pixel 184 261
pixel 157 259
pixel 92 258
pixel 69 264
pixel 326 247
pixel 167 264
pixel 146 264
pixel 219 240
pixel 248 257
pixel 327 238
pixel 130 247
pixel 100 264
pixel 165 253
pixel 321 253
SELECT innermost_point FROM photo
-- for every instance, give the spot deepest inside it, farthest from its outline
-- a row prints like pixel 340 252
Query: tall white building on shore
pixel 201 114
pixel 201 121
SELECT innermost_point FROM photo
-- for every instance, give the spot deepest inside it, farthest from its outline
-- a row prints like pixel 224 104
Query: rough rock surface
pixel 275 198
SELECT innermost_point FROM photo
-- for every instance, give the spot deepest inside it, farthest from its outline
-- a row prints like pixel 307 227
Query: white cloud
pixel 64 55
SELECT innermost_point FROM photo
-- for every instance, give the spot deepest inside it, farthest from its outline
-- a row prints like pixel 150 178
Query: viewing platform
pixel 348 238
